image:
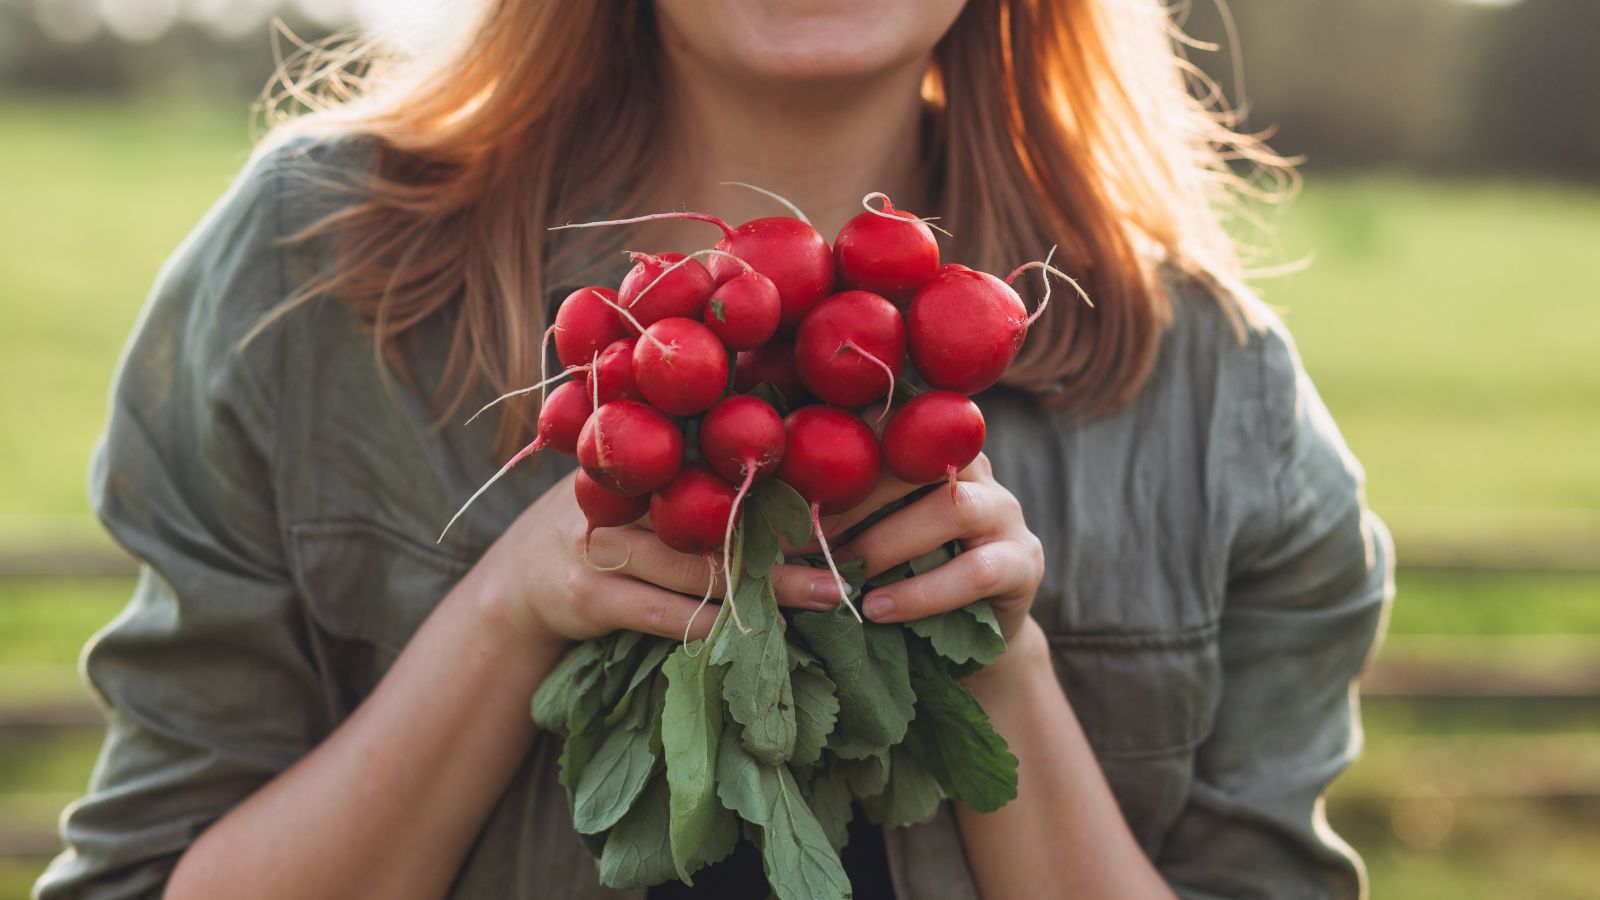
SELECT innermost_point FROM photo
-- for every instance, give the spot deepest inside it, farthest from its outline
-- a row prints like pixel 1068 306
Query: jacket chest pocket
pixel 367 590
pixel 1145 701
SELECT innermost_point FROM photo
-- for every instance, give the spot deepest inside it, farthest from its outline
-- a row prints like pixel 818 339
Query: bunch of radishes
pixel 665 408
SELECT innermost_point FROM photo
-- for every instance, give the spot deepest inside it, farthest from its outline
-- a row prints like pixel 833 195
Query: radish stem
pixel 727 539
pixel 748 269
pixel 635 322
pixel 844 586
pixel 778 197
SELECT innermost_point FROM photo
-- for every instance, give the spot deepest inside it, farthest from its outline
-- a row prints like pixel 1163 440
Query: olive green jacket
pixel 1214 582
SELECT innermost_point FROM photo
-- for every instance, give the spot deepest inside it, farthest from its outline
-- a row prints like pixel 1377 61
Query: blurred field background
pixel 1450 315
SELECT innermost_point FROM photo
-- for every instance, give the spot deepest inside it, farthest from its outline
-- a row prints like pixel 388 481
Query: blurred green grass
pixel 97 194
pixel 1450 326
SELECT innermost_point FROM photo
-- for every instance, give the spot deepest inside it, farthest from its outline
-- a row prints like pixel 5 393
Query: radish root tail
pixel 570 370
pixel 778 197
pixel 524 453
pixel 888 398
pixel 950 472
pixel 711 566
pixel 727 230
pixel 844 586
pixel 1048 270
pixel 888 208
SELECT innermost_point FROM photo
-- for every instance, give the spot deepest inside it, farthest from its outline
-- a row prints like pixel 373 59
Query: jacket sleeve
pixel 1309 583
pixel 205 677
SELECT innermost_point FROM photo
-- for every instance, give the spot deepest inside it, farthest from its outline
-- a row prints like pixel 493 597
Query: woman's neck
pixel 823 146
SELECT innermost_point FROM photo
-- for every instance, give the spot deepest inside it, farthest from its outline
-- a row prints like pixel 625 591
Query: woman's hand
pixel 1001 560
pixel 537 574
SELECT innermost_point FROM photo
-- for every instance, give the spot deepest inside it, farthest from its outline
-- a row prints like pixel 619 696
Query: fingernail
pixel 878 606
pixel 825 592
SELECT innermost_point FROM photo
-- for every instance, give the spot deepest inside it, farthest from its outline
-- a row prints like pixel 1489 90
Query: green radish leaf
pixel 911 796
pixel 799 861
pixel 761 551
pixel 624 652
pixel 800 656
pixel 623 643
pixel 691 725
pixel 799 858
pixel 553 702
pixel 983 611
pixel 867 776
pixel 769 392
pixel 658 703
pixel 614 778
pixel 867 663
pixel 953 738
pixel 638 851
pixel 716 310
pixel 816 710
pixel 740 778
pixel 584 732
pixel 905 391
pixel 626 708
pixel 722 841
pixel 727 643
pixel 757 687
pixel 786 512
pixel 854 572
pixel 970 634
pixel 828 794
pixel 933 559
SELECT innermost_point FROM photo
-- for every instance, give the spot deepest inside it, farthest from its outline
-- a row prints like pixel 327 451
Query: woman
pixel 309 699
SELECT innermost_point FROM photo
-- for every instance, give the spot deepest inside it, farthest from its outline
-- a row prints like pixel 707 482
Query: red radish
pixel 562 416
pixel 585 324
pixel 630 448
pixel 850 349
pixel 933 437
pixel 788 251
pixel 744 311
pixel 831 458
pixel 774 362
pixel 680 366
pixel 688 512
pixel 952 267
pixel 602 508
pixel 891 252
pixel 651 292
pixel 966 327
pixel 741 439
pixel 613 374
